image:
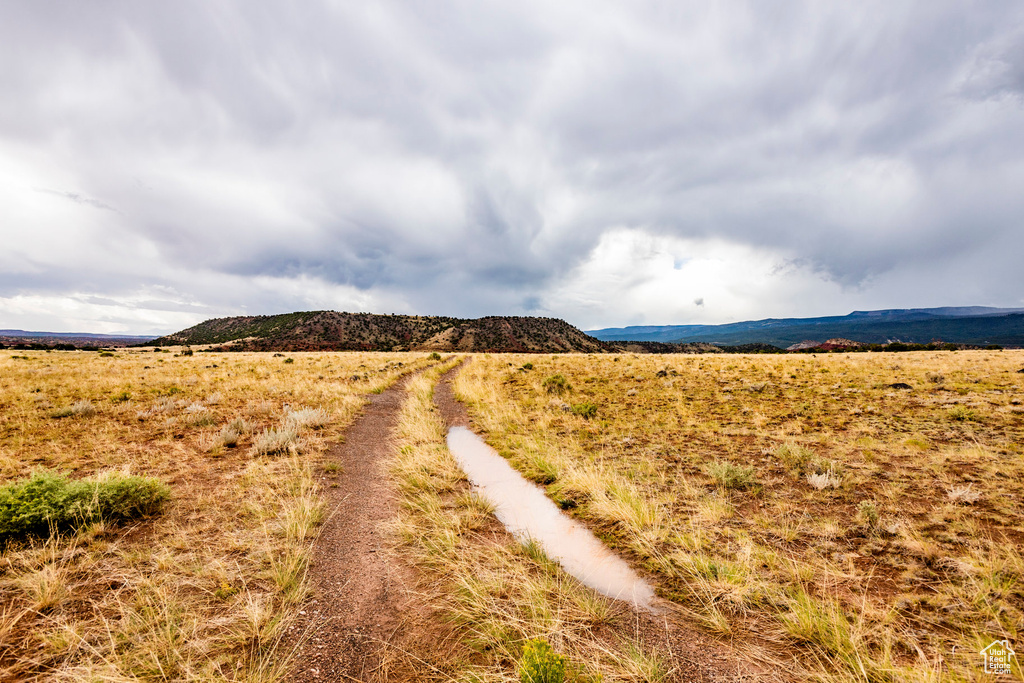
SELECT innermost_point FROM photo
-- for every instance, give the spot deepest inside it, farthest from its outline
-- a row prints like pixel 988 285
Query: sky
pixel 610 164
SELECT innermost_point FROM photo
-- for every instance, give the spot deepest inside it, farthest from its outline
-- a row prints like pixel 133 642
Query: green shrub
pixel 794 457
pixel 730 476
pixel 289 360
pixel 434 356
pixel 586 410
pixel 867 513
pixel 541 664
pixel 963 414
pixel 50 501
pixel 187 351
pixel 556 384
pixel 527 366
pixel 121 397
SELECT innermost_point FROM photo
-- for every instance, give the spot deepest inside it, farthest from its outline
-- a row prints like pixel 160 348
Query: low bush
pixel 232 432
pixel 802 462
pixel 794 457
pixel 964 494
pixel 867 513
pixel 963 414
pixel 49 501
pixel 730 476
pixel 586 410
pixel 434 356
pixel 229 436
pixel 556 384
pixel 197 415
pixel 541 470
pixel 541 664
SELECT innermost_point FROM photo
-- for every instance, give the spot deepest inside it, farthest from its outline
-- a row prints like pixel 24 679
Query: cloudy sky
pixel 607 163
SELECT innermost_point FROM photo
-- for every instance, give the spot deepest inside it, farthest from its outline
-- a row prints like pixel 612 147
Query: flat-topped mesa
pixel 334 331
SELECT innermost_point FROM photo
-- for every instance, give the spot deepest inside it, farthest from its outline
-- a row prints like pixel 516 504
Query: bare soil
pixel 361 618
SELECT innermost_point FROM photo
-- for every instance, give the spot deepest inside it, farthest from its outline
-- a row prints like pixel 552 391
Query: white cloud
pixel 606 163
pixel 655 279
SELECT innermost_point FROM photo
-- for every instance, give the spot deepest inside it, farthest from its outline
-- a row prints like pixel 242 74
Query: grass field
pixel 800 506
pixel 835 517
pixel 206 588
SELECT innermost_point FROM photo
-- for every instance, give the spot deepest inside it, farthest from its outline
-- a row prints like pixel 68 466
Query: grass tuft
pixel 824 480
pixel 730 476
pixel 83 408
pixel 314 418
pixel 964 494
pixel 963 414
pixel 275 441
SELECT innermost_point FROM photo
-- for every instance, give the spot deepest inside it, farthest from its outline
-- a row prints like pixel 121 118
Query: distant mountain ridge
pixel 334 331
pixel 978 325
pixel 64 339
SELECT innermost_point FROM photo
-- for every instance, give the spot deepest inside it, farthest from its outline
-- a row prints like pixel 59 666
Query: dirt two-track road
pixel 361 605
pixel 365 621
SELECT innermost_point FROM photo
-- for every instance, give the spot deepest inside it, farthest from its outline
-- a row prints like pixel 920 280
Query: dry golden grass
pixel 496 592
pixel 797 504
pixel 207 589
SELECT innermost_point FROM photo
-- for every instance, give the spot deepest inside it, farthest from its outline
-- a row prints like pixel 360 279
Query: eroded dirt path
pixel 694 656
pixel 364 608
pixel 360 611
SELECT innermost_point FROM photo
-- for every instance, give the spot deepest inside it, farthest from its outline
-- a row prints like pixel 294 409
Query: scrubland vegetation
pixel 157 508
pixel 833 517
pixel 853 517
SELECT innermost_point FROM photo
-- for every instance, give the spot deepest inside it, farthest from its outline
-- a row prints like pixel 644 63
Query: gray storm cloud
pixel 607 163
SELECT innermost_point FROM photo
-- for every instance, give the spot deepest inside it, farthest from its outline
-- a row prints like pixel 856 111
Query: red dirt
pixel 360 613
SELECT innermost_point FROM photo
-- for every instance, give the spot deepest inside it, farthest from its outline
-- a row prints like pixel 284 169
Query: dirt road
pixel 360 612
pixel 363 610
